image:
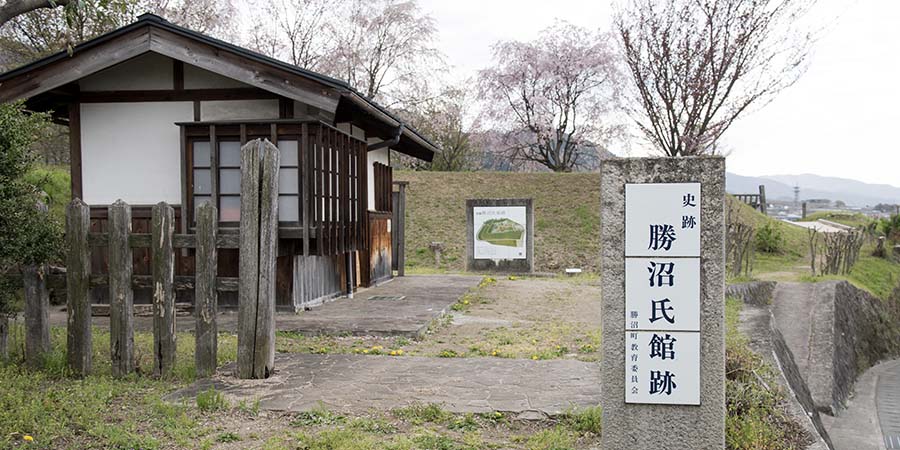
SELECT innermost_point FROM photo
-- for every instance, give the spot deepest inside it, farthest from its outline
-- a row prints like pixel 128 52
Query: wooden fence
pixel 255 284
pixel 757 201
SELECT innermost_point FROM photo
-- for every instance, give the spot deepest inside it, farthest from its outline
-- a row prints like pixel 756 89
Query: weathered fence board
pixel 78 271
pixel 205 296
pixel 163 267
pixel 143 240
pixel 121 295
pixel 37 316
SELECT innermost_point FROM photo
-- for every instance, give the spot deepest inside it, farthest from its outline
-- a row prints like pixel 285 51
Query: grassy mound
pixel 850 219
pixel 566 211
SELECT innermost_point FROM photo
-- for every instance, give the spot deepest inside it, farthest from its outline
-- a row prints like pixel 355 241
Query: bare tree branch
pixel 13 8
pixel 698 65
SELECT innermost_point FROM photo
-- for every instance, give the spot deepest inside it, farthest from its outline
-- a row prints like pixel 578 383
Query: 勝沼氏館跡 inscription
pixel 662 293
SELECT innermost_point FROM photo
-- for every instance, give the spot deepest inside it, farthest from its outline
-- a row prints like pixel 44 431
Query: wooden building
pixel 157 112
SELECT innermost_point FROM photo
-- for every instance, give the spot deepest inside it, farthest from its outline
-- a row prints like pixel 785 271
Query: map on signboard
pixel 500 232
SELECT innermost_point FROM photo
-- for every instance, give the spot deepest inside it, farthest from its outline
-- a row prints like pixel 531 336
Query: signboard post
pixel 662 240
pixel 500 235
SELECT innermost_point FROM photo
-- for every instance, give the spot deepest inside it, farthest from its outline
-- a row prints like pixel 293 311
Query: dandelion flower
pixel 534 357
pixel 400 352
pixel 28 438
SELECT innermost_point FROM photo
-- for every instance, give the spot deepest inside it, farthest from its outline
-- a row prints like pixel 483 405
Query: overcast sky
pixel 840 119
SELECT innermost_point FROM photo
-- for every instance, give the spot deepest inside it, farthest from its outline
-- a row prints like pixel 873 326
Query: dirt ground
pixel 521 318
pixel 511 317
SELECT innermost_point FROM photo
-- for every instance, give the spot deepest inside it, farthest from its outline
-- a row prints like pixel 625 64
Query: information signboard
pixel 500 232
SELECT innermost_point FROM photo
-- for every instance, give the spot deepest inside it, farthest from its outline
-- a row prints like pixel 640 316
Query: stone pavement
pixel 358 383
pixel 426 297
pixel 872 418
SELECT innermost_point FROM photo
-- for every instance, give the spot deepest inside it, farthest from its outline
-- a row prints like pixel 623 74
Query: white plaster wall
pixel 382 156
pixel 197 78
pixel 150 71
pixel 132 151
pixel 239 109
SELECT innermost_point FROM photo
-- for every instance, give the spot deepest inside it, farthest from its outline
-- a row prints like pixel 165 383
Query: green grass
pixel 755 414
pixel 211 400
pixel 566 210
pixel 879 276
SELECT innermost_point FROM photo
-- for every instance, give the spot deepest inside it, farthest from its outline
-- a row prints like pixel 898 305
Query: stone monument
pixel 663 304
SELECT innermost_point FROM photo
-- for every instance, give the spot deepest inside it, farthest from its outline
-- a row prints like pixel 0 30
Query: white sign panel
pixel 662 219
pixel 662 367
pixel 662 294
pixel 500 232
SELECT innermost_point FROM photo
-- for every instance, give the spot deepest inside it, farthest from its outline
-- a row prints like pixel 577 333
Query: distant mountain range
pixel 781 187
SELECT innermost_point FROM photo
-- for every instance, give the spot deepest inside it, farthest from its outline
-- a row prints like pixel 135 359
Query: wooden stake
pixel 78 271
pixel 264 357
pixel 205 295
pixel 121 295
pixel 37 319
pixel 163 264
pixel 248 265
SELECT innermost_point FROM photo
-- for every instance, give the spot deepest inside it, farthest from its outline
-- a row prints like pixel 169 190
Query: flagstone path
pixel 359 383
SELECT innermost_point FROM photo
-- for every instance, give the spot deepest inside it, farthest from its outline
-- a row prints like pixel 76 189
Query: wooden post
pixel 37 306
pixel 248 265
pixel 121 295
pixel 205 295
pixel 264 356
pixel 163 264
pixel 400 227
pixel 763 205
pixel 258 250
pixel 78 271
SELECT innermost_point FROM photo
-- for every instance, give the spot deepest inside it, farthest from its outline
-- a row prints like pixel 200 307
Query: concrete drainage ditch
pixel 821 337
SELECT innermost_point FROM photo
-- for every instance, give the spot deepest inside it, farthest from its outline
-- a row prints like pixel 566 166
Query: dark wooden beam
pixel 285 108
pixel 84 63
pixel 75 149
pixel 178 75
pixel 186 95
pixel 239 67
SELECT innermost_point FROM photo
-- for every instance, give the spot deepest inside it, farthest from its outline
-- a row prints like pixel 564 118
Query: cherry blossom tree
pixel 554 98
pixel 382 46
pixel 698 65
pixel 447 121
